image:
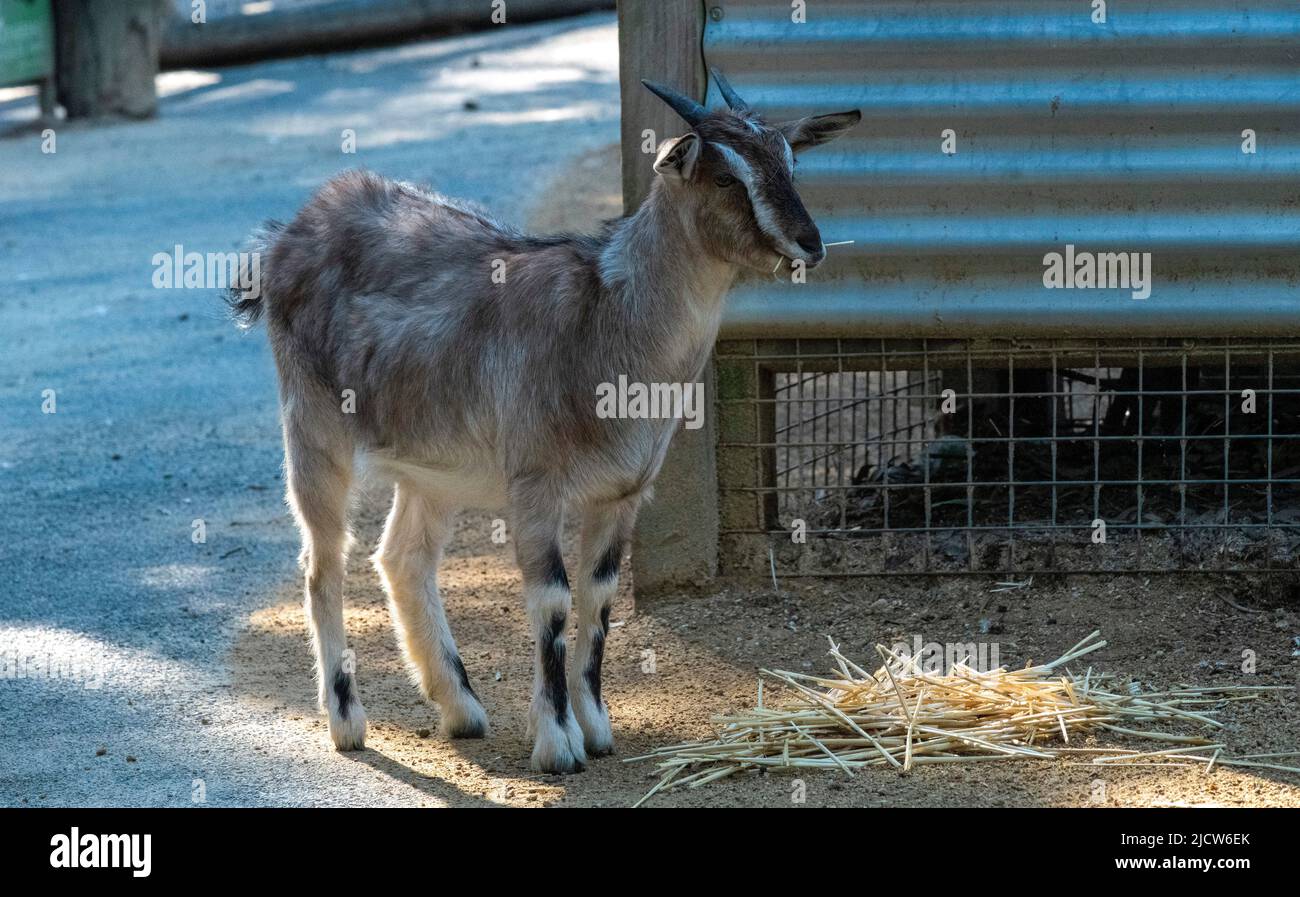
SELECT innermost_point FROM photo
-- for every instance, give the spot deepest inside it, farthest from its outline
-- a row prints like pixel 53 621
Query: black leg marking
pixel 607 566
pixel 472 728
pixel 592 672
pixel 557 690
pixel 555 574
pixel 461 673
pixel 343 691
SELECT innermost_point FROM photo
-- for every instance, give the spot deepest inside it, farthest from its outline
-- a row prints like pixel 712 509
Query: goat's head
pixel 734 173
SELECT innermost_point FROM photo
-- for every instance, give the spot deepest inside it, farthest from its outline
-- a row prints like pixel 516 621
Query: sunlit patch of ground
pixel 481 589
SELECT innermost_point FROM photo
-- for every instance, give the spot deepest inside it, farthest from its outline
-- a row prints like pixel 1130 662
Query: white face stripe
pixel 789 155
pixel 762 211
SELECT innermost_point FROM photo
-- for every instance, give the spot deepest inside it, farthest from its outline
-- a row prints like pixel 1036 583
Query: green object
pixel 26 41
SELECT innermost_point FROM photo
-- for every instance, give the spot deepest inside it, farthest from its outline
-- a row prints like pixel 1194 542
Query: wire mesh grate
pixel 871 457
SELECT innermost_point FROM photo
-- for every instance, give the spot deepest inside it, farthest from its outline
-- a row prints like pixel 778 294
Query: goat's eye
pixel 724 180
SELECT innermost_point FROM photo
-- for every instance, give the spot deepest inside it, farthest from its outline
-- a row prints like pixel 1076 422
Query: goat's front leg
pixel 606 529
pixel 558 740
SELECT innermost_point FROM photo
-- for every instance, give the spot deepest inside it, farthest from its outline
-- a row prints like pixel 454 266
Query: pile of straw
pixel 902 717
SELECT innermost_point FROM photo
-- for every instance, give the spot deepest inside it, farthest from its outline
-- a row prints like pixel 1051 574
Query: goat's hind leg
pixel 407 561
pixel 319 473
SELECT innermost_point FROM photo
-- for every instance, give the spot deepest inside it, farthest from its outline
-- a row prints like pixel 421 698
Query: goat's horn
pixel 734 102
pixel 690 111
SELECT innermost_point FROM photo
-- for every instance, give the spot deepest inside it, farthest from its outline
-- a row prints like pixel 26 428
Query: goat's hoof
pixel 467 721
pixel 348 731
pixel 593 719
pixel 559 747
pixel 558 765
pixel 598 747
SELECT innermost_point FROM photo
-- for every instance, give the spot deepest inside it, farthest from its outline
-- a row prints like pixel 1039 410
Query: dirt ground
pixel 672 663
pixel 706 647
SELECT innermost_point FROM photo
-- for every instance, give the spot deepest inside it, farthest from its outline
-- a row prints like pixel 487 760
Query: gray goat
pixel 462 359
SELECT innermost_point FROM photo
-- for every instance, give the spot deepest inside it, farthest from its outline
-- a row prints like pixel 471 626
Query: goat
pixel 462 358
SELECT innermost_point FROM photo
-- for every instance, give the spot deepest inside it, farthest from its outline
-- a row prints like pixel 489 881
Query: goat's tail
pixel 245 295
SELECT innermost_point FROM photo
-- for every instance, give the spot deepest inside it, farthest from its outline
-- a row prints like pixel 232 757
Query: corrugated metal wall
pixel 1124 136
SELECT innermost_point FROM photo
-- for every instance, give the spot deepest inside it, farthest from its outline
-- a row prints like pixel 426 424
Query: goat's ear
pixel 677 157
pixel 817 129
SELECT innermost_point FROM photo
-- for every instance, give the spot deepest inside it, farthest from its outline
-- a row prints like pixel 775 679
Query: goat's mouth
pixel 786 260
pixel 785 252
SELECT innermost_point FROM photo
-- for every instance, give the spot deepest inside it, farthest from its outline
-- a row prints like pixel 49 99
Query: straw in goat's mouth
pixel 780 258
pixel 902 717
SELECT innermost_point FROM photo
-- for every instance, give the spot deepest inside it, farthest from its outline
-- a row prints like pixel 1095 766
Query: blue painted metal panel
pixel 1122 136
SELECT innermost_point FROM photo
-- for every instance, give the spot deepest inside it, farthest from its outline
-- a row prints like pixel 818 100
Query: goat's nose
pixel 810 242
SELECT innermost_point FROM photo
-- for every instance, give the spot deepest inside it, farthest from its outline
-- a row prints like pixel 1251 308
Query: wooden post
pixel 661 40
pixel 106 56
pixel 677 537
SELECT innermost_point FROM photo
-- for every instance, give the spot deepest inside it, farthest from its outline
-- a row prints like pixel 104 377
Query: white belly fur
pixel 466 487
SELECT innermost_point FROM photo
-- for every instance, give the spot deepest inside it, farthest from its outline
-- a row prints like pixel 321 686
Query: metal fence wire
pixel 887 457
